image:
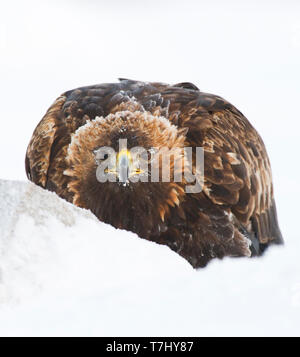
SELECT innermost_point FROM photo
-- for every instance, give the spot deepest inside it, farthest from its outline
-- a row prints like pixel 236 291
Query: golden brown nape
pixel 134 203
pixel 235 213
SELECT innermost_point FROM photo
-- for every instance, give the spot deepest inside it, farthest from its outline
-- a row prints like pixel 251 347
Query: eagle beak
pixel 124 165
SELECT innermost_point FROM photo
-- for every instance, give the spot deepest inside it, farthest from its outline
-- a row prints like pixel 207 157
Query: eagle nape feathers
pixel 234 214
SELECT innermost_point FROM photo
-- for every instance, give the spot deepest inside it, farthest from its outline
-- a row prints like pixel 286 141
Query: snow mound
pixel 49 244
pixel 64 273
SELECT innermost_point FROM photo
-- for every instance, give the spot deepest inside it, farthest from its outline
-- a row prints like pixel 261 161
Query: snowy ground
pixel 63 273
pixel 75 276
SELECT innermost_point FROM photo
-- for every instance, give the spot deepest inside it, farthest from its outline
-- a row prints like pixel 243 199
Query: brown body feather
pixel 234 215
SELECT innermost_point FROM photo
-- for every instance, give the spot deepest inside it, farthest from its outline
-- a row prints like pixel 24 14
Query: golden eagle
pixel 234 214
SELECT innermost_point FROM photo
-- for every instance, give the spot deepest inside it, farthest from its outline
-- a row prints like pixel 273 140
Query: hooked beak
pixel 124 165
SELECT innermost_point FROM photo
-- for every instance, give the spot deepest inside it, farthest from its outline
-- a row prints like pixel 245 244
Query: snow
pixel 64 273
pixel 48 242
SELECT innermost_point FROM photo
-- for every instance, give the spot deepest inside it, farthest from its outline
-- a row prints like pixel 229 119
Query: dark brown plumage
pixel 234 215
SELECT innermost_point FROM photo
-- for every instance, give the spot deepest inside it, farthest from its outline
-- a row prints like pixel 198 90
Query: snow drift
pixel 64 273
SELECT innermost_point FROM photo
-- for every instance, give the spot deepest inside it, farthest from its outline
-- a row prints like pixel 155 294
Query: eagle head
pixel 116 169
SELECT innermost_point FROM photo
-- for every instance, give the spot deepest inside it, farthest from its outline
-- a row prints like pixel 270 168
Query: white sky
pixel 248 52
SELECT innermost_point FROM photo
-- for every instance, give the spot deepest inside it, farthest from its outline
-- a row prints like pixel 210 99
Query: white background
pixel 245 51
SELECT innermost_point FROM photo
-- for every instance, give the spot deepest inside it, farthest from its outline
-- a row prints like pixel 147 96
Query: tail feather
pixel 266 230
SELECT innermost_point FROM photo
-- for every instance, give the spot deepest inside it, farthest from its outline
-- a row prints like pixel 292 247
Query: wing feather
pixel 236 169
pixel 39 148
